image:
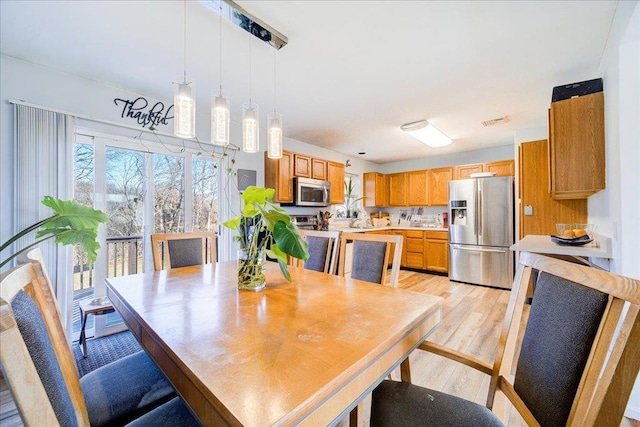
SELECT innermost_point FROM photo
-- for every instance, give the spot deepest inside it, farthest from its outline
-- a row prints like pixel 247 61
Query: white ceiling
pixel 353 71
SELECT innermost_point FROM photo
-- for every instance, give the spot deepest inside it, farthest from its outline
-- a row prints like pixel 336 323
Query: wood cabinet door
pixel 335 175
pixel 436 255
pixel 278 174
pixel 397 189
pixel 403 257
pixel 375 189
pixel 439 186
pixel 418 185
pixel 576 147
pixel 501 168
pixel 534 184
pixel 463 171
pixel 319 169
pixel 302 166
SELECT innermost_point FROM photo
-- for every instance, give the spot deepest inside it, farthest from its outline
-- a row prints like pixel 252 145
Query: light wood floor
pixel 472 319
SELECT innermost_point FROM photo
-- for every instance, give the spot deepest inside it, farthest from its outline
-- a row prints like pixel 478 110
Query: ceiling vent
pixel 499 120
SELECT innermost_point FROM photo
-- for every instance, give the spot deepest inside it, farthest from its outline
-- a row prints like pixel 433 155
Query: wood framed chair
pixel 323 251
pixel 369 257
pixel 40 370
pixel 572 366
pixel 173 250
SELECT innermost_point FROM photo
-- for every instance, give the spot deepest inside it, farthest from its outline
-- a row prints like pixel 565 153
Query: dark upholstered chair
pixel 176 250
pixel 40 370
pixel 563 374
pixel 369 257
pixel 323 250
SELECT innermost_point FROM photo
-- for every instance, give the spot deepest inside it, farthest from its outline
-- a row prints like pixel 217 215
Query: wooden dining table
pixel 305 352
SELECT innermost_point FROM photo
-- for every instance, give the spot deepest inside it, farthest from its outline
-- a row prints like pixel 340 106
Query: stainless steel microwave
pixel 311 192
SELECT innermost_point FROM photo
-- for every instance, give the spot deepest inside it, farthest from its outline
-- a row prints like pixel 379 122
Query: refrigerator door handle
pixel 479 218
pixel 478 249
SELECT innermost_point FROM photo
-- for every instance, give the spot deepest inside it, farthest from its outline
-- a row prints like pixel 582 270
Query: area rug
pixel 103 350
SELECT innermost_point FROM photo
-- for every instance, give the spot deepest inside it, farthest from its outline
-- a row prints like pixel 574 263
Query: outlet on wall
pixel 528 210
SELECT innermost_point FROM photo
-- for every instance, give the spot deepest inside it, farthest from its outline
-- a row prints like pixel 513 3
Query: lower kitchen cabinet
pixel 436 251
pixel 414 243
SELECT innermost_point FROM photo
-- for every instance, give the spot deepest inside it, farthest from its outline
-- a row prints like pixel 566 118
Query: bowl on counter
pixel 574 230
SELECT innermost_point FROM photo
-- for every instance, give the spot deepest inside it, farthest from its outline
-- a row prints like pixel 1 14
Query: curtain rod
pixel 108 122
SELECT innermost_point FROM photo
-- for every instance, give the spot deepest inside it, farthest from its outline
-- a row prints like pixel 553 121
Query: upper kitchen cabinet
pixel 278 174
pixel 576 147
pixel 501 168
pixel 439 186
pixel 319 169
pixel 397 189
pixel 302 166
pixel 465 171
pixel 418 188
pixel 375 190
pixel 335 175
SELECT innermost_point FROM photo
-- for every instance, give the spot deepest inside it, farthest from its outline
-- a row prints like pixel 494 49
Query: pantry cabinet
pixel 576 147
pixel 375 189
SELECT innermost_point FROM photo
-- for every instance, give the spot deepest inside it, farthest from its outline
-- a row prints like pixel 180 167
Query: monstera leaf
pixel 71 224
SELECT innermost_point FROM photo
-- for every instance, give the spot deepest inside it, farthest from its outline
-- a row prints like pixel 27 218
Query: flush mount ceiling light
pixel 426 133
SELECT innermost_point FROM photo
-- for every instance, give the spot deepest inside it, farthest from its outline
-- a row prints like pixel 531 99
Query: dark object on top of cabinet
pixel 576 89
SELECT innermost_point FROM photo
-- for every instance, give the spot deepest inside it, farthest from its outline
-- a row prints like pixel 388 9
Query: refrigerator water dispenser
pixel 458 212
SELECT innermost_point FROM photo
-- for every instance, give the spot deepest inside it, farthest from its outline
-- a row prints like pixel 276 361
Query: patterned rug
pixel 103 350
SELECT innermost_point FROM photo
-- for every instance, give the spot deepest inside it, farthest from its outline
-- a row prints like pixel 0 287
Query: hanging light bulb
pixel 184 103
pixel 220 112
pixel 274 124
pixel 250 118
pixel 250 127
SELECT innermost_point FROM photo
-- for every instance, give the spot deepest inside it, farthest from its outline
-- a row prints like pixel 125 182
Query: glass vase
pixel 251 270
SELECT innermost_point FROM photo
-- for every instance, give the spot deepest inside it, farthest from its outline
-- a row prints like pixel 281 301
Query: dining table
pixel 304 352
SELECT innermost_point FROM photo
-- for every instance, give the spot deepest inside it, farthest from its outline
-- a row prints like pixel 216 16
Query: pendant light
pixel 250 118
pixel 274 124
pixel 184 103
pixel 220 113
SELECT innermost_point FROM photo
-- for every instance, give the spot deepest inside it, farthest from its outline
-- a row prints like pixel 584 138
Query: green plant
pixel 265 226
pixel 349 202
pixel 71 224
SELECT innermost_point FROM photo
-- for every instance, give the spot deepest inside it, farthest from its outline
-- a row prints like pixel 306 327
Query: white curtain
pixel 44 167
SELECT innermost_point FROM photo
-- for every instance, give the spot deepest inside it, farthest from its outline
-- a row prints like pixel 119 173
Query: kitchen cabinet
pixel 278 174
pixel 439 186
pixel 464 171
pixel 414 243
pixel 397 189
pixel 576 147
pixel 335 175
pixel 319 169
pixel 302 166
pixel 403 256
pixel 500 168
pixel 375 189
pixel 436 251
pixel 418 188
pixel 543 212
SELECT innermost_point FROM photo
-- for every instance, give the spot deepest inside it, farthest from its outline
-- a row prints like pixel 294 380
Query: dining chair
pixel 173 250
pixel 42 376
pixel 571 365
pixel 369 257
pixel 323 251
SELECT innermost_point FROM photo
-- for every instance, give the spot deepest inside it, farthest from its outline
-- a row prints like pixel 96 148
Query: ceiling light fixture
pixel 184 103
pixel 220 114
pixel 274 123
pixel 426 133
pixel 250 119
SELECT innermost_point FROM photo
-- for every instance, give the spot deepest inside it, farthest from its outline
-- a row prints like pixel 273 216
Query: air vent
pixel 492 122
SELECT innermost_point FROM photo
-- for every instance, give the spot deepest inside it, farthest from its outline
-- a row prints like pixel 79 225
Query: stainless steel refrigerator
pixel 481 230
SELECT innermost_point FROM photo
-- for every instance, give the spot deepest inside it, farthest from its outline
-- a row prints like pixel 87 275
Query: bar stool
pixel 97 307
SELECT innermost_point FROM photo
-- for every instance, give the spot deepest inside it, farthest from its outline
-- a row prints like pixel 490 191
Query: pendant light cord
pixel 220 47
pixel 274 80
pixel 250 37
pixel 185 42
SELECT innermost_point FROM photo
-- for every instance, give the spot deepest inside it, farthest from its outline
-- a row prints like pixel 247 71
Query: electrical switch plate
pixel 528 210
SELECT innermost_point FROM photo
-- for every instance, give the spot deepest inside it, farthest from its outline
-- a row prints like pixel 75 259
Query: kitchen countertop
pixel 599 248
pixel 388 227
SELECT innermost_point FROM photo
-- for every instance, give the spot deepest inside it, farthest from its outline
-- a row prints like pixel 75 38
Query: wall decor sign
pixel 138 110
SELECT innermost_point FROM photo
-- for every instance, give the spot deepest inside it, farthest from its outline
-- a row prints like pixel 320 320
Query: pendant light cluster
pixel 185 106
